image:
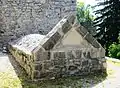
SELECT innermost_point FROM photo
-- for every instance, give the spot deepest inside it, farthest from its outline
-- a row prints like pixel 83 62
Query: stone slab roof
pixel 28 42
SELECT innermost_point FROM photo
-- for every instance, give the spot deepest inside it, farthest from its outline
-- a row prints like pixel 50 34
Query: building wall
pixel 21 17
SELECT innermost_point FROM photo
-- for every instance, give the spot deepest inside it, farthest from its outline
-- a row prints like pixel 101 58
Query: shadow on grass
pixel 88 81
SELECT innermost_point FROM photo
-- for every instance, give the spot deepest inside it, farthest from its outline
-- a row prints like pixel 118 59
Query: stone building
pixel 22 17
pixel 67 50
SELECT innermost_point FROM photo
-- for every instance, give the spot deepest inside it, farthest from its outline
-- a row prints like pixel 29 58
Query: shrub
pixel 118 54
pixel 114 50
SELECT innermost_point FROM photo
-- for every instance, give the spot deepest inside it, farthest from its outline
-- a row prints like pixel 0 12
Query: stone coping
pixel 27 43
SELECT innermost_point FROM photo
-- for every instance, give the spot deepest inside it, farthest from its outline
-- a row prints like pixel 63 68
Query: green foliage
pixel 83 12
pixel 107 22
pixel 114 50
pixel 118 54
pixel 85 17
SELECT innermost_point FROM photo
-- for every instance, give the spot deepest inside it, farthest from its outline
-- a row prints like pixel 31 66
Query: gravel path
pixel 112 81
pixel 5 64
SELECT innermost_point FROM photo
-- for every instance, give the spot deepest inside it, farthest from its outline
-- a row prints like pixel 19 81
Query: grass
pixel 70 82
pixel 8 81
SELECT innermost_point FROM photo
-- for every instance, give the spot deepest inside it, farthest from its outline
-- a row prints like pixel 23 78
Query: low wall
pixel 55 64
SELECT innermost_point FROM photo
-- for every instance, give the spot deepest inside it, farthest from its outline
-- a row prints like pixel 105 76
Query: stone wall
pixel 56 64
pixel 68 63
pixel 21 17
pixel 25 60
pixel 49 59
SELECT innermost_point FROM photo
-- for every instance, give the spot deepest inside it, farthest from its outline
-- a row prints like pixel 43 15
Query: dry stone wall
pixel 21 17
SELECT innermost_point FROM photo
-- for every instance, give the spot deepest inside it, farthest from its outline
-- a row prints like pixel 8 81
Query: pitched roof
pixel 62 28
pixel 32 42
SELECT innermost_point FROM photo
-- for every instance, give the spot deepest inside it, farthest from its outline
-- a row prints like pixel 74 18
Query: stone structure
pixel 22 17
pixel 68 49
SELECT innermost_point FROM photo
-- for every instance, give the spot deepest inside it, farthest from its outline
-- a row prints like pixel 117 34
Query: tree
pixel 108 21
pixel 85 17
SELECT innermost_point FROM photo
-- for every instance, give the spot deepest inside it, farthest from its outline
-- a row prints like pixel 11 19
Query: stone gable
pixel 67 50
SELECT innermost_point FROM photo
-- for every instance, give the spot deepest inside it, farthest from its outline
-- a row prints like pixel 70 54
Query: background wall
pixel 21 17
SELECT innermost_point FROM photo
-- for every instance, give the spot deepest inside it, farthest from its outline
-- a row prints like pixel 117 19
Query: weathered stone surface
pixel 76 24
pixel 93 53
pixel 38 67
pixel 102 52
pixel 59 55
pixel 60 62
pixel 42 56
pixel 22 17
pixel 45 60
pixel 82 31
pixel 72 68
pixel 48 64
pixel 88 55
pixel 66 27
pixel 95 44
pixel 71 19
pixel 77 62
pixel 78 53
pixel 28 43
pixel 70 55
pixel 36 74
pixel 89 38
pixel 51 41
pixel 48 45
pixel 85 63
pixel 95 62
pixel 55 37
